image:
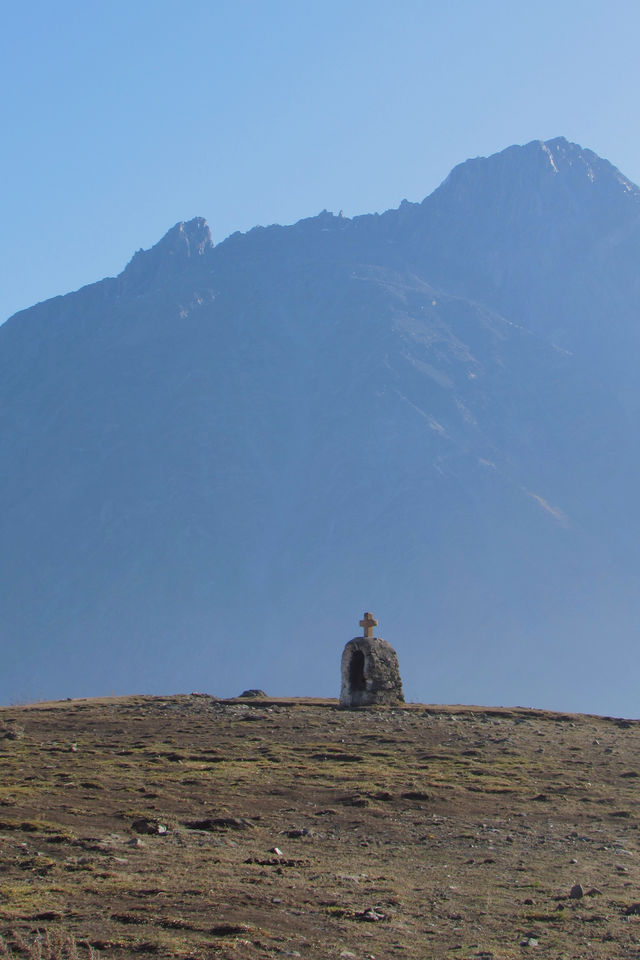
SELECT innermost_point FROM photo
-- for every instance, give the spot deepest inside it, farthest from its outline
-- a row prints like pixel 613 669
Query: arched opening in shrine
pixel 356 671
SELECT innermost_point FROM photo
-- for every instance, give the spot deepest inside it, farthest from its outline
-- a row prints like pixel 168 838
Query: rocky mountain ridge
pixel 219 456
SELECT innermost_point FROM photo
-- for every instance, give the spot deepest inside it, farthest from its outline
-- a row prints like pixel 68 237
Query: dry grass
pixel 50 944
pixel 414 832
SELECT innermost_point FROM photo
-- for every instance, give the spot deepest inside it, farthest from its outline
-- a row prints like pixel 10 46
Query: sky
pixel 122 119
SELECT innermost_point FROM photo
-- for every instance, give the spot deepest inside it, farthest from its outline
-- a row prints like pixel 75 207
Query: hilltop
pixel 191 827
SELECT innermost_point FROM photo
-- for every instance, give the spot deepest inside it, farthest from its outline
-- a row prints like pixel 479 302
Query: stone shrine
pixel 370 671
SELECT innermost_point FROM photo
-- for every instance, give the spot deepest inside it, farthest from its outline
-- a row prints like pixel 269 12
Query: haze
pixel 231 450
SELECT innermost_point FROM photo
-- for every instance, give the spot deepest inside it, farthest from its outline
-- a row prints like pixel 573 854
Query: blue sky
pixel 121 119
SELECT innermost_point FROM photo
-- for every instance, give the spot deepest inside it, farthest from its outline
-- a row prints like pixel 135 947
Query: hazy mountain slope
pixel 209 464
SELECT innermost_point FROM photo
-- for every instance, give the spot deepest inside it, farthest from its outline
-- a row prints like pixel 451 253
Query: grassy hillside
pixel 412 832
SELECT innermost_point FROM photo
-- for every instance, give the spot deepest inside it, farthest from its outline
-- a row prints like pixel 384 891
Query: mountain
pixel 211 464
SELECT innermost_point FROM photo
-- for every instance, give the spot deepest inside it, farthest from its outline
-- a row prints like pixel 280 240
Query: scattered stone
pixel 143 825
pixel 278 852
pixel 576 892
pixel 135 842
pixel 250 694
pixel 369 916
pixel 573 860
pixel 529 942
pixel 593 892
pixel 529 902
pixel 633 910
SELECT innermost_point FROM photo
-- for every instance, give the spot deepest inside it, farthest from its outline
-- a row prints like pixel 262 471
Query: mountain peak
pixel 545 187
pixel 185 241
pixel 189 238
pixel 537 164
pixel 563 155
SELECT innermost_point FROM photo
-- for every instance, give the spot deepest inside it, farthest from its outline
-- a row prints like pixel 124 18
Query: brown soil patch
pixel 189 827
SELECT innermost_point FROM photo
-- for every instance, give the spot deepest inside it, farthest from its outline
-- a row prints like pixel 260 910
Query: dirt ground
pixel 190 827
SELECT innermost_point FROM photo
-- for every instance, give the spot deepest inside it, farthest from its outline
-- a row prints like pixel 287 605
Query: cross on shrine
pixel 368 623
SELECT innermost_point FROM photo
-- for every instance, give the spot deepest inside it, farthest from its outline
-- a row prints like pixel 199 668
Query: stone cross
pixel 368 622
